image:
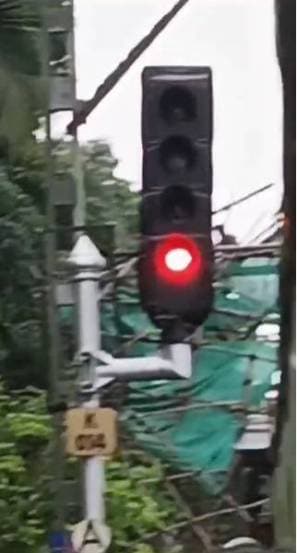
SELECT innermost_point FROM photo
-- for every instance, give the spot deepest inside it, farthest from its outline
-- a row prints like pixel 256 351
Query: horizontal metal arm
pixel 174 362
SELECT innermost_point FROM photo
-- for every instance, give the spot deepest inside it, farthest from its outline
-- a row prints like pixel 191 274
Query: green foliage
pixel 25 431
pixel 20 67
pixel 22 223
pixel 21 228
pixel 137 504
pixel 28 172
pixel 19 23
pixel 109 199
pixel 135 508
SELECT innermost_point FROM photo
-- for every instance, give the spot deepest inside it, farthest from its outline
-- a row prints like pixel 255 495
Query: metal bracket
pixel 174 362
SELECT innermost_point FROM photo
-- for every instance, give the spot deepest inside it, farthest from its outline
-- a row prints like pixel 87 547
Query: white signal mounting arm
pixel 174 362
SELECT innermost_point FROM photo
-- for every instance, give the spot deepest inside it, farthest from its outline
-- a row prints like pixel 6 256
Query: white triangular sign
pixel 91 537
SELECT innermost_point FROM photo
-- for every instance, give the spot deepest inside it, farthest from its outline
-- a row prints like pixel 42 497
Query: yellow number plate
pixel 91 432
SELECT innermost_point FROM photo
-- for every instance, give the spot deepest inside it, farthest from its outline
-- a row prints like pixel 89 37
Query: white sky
pixel 236 38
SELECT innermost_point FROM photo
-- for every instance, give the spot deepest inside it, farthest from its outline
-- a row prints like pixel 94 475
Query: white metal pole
pixel 180 356
pixel 88 263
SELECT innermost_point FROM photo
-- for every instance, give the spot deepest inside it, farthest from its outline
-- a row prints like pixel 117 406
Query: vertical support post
pixel 58 15
pixel 284 494
pixel 52 321
pixel 180 355
pixel 88 264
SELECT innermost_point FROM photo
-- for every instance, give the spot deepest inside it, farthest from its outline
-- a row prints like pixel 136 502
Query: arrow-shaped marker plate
pixel 89 536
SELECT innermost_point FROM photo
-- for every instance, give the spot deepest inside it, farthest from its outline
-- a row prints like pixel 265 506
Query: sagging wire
pixel 204 517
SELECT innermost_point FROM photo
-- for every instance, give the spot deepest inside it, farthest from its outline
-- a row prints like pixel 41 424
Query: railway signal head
pixel 175 267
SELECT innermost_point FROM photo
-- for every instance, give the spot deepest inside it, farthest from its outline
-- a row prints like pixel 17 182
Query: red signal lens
pixel 178 259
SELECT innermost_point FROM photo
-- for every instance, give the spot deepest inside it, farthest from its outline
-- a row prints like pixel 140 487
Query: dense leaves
pixel 21 228
pixel 22 241
pixel 25 432
pixel 136 509
pixel 20 72
pixel 109 199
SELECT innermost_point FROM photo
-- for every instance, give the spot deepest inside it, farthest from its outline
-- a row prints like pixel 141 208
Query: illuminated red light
pixel 178 259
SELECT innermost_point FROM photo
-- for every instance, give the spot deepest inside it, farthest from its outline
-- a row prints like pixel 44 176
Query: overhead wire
pixel 204 517
pixel 234 203
pixel 114 77
pixel 230 206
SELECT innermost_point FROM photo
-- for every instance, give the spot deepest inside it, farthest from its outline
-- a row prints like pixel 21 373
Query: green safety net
pixel 191 425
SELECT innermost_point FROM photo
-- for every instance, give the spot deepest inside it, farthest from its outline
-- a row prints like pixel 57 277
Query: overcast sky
pixel 236 38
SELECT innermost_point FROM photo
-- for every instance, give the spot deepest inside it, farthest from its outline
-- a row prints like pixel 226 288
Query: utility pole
pixel 65 219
